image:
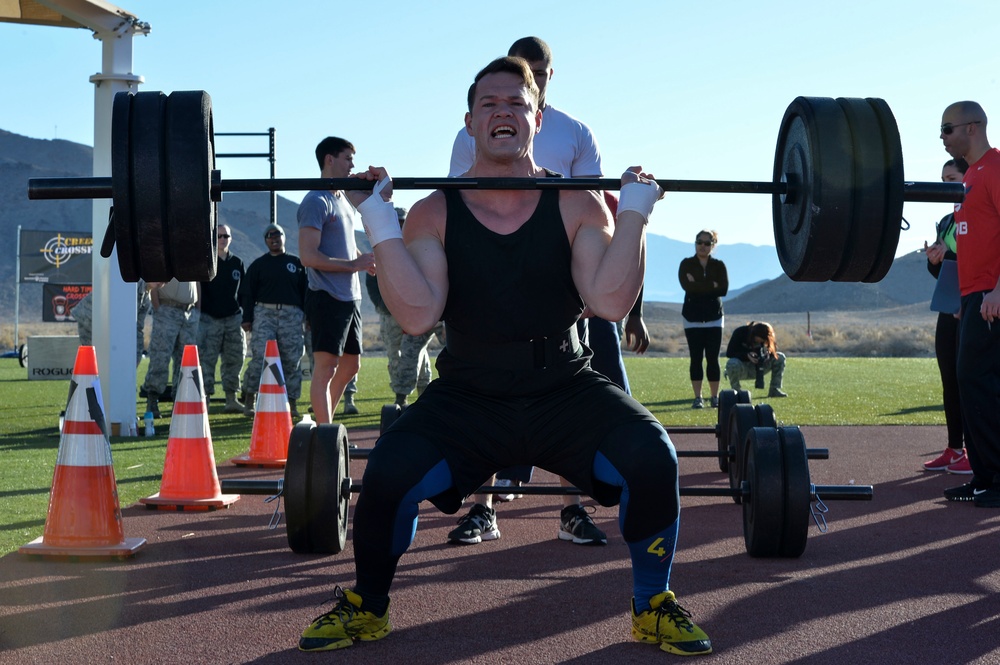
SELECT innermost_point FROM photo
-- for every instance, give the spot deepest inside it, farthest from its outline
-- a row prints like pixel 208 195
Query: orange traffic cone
pixel 272 421
pixel 84 518
pixel 190 481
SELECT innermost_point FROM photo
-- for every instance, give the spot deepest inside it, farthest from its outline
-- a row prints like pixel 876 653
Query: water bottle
pixel 148 419
pixel 62 420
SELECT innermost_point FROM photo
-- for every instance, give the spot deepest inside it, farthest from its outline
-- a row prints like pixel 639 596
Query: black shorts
pixel 335 325
pixel 559 431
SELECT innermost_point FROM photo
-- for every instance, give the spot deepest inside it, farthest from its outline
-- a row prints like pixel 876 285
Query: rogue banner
pixel 55 257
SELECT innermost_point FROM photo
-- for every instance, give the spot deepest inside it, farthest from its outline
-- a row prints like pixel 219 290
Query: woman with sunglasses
pixel 705 282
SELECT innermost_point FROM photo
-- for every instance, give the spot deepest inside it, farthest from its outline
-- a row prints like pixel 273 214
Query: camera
pixel 761 353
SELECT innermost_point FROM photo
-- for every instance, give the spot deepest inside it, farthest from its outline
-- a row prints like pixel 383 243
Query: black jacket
pixel 703 296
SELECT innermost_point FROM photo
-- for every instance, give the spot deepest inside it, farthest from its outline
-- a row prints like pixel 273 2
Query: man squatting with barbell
pixel 515 383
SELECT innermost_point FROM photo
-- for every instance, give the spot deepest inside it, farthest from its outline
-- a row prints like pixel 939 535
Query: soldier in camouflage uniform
pixel 220 331
pixel 83 313
pixel 273 292
pixel 409 361
pixel 143 305
pixel 175 325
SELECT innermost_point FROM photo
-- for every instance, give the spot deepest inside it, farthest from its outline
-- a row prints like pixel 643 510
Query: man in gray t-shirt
pixel 333 299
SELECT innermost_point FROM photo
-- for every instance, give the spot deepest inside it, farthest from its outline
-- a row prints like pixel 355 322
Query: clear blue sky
pixel 688 89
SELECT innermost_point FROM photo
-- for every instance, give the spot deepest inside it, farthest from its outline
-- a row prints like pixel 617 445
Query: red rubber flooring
pixel 906 578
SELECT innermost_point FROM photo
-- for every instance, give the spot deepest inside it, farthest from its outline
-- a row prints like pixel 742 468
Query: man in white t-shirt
pixel 567 147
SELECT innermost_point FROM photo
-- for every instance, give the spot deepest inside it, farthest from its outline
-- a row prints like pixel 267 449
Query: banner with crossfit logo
pixel 56 257
pixel 59 301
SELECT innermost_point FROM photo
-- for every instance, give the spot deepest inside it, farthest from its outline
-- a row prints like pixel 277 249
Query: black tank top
pixel 508 288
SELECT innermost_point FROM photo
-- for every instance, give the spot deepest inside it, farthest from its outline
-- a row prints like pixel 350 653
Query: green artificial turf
pixel 822 391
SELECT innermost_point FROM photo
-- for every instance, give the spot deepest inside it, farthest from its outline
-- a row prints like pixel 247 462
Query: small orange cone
pixel 190 481
pixel 84 518
pixel 272 421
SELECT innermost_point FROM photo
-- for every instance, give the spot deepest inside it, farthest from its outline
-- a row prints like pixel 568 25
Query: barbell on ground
pixel 727 450
pixel 837 188
pixel 776 491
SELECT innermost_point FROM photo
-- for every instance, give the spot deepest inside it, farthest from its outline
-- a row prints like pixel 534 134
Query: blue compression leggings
pixel 651 556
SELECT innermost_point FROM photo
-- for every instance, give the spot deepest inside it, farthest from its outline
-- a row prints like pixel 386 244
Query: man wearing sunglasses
pixel 220 331
pixel 977 236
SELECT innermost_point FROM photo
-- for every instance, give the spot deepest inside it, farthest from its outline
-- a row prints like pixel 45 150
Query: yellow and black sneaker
pixel 669 625
pixel 344 624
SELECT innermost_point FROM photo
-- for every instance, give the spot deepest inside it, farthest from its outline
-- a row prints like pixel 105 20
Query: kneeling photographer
pixel 752 353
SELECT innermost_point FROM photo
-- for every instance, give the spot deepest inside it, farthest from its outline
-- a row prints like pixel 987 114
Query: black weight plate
pixel 121 187
pixel 798 494
pixel 390 413
pixel 296 486
pixel 868 214
pixel 191 213
pixel 742 418
pixel 763 512
pixel 148 195
pixel 727 398
pixel 327 523
pixel 765 415
pixel 814 155
pixel 893 164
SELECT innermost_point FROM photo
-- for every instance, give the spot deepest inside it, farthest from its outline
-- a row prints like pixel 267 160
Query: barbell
pixel 837 188
pixel 776 491
pixel 726 453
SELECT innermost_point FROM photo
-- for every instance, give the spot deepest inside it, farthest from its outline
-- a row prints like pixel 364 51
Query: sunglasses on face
pixel 948 128
pixel 706 243
pixel 273 234
pixel 223 235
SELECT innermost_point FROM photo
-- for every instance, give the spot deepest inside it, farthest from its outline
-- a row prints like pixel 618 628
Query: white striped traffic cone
pixel 84 518
pixel 190 480
pixel 272 421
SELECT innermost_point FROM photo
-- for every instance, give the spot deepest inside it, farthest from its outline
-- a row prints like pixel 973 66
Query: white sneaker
pixel 507 497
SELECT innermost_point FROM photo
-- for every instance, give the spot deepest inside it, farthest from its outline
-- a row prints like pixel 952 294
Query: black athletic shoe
pixel 966 492
pixel 478 525
pixel 988 498
pixel 576 524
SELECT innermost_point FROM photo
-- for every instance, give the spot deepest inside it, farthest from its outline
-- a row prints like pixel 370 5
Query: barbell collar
pixel 842 492
pixel 69 188
pixel 934 192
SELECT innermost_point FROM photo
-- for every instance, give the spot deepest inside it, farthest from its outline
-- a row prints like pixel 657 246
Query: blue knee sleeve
pixel 652 557
pixel 437 480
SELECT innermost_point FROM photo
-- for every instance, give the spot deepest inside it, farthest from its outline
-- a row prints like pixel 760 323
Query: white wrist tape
pixel 638 197
pixel 379 217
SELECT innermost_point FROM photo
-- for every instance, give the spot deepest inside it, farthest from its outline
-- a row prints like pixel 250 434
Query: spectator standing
pixel 563 146
pixel 175 325
pixel 409 360
pixel 977 238
pixel 273 292
pixel 333 299
pixel 947 299
pixel 220 331
pixel 705 282
pixel 83 313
